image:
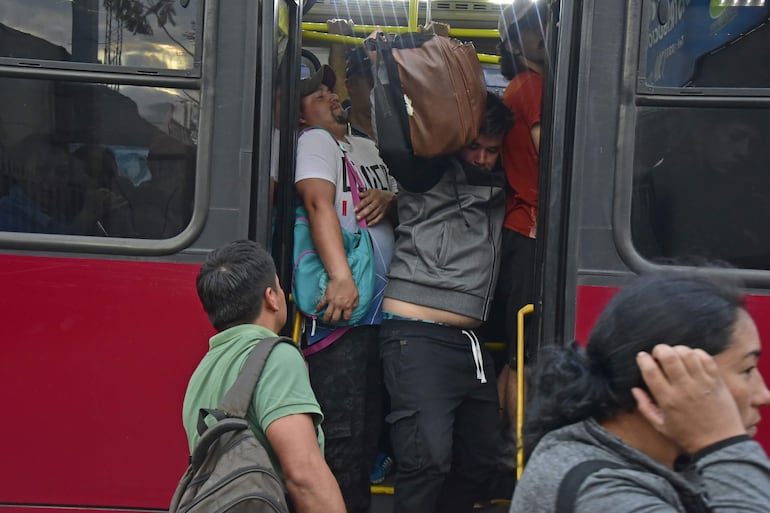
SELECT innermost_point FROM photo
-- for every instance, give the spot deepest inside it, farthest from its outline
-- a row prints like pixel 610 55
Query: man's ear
pixel 271 300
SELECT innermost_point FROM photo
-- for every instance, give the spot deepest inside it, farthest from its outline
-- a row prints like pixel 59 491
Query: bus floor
pixel 382 501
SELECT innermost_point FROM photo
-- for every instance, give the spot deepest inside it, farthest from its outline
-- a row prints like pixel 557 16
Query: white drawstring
pixel 477 358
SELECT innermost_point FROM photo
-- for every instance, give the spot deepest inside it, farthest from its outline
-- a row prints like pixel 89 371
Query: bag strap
pixel 237 400
pixel 356 185
pixel 386 65
pixel 570 484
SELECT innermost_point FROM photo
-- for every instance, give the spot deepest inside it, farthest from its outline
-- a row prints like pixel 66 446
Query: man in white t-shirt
pixel 344 363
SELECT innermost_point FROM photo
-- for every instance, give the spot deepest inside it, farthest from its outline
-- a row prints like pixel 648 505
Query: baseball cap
pixel 520 12
pixel 325 75
pixel 357 62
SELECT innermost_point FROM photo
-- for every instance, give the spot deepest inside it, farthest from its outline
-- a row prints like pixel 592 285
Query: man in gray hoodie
pixel 440 378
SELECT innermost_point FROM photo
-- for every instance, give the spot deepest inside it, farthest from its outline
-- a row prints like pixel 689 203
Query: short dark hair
pixel 669 307
pixel 232 283
pixel 498 118
pixel 521 17
pixel 509 68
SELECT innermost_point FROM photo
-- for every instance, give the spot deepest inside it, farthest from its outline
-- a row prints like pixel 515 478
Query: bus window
pixel 96 159
pixel 702 185
pixel 159 35
pixel 701 43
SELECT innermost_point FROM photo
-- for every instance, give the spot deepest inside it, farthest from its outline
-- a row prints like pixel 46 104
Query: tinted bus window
pixel 702 186
pixel 163 34
pixel 707 43
pixel 94 159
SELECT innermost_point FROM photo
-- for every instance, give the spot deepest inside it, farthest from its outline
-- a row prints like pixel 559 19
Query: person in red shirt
pixel 523 53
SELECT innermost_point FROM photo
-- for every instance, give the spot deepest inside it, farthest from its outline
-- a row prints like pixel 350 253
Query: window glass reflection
pixel 160 34
pixel 702 186
pixel 96 160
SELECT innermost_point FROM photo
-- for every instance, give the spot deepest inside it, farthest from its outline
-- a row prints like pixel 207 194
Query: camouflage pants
pixel 347 380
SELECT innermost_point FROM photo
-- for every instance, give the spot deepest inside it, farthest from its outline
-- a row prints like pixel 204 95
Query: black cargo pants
pixel 444 415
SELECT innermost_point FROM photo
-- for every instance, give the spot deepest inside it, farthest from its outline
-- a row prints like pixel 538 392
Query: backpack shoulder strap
pixel 237 399
pixel 570 484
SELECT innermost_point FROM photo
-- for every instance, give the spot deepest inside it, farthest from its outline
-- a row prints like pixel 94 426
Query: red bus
pixel 137 135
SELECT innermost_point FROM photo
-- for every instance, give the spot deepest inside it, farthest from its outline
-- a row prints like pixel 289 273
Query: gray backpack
pixel 230 471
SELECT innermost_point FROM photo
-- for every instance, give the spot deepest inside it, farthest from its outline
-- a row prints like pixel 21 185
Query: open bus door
pixel 653 153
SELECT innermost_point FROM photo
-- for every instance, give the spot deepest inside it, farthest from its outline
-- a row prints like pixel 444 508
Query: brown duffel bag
pixel 434 88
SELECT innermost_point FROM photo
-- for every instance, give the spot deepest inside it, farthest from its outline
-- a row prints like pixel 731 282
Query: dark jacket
pixel 448 238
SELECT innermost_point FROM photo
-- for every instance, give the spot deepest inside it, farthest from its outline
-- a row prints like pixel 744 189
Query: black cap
pixel 325 75
pixel 357 62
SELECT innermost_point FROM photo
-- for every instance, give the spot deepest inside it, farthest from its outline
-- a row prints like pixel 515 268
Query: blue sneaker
pixel 382 467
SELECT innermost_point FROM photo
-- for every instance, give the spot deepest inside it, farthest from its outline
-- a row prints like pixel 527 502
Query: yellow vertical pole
pixel 525 310
pixel 413 11
pixel 296 328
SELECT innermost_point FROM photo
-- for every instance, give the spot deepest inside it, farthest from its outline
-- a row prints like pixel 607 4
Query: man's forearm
pixel 316 492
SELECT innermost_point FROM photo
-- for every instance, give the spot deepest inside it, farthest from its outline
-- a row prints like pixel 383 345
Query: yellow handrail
pixel 295 330
pixel 392 29
pixel 413 12
pixel 525 310
pixel 350 40
pixel 331 38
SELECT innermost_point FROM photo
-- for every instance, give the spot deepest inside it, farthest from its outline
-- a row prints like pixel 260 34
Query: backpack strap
pixel 237 400
pixel 570 484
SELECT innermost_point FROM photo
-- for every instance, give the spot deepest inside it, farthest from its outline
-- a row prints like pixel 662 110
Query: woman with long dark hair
pixel 663 403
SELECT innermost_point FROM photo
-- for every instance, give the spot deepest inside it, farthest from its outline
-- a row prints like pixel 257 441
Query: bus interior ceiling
pixel 474 21
pixel 469 15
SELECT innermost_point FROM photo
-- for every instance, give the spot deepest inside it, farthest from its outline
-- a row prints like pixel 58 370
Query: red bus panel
pixel 96 359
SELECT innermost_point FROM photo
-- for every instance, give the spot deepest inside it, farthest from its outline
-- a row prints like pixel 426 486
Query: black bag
pixel 429 94
pixel 230 471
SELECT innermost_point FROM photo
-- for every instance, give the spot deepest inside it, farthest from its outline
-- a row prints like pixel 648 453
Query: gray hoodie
pixel 448 239
pixel 730 477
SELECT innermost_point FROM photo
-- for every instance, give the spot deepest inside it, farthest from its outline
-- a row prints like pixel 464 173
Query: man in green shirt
pixel 241 294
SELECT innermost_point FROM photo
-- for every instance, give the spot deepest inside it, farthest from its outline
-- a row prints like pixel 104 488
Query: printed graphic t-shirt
pixel 319 155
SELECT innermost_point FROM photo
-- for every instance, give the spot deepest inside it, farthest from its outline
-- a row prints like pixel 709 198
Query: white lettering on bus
pixel 662 58
pixel 676 13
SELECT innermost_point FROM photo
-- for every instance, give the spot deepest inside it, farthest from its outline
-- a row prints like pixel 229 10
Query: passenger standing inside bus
pixel 523 59
pixel 669 427
pixel 357 67
pixel 440 377
pixel 239 290
pixel 345 368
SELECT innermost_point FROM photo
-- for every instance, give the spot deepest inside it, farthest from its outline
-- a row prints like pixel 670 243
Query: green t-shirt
pixel 283 389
